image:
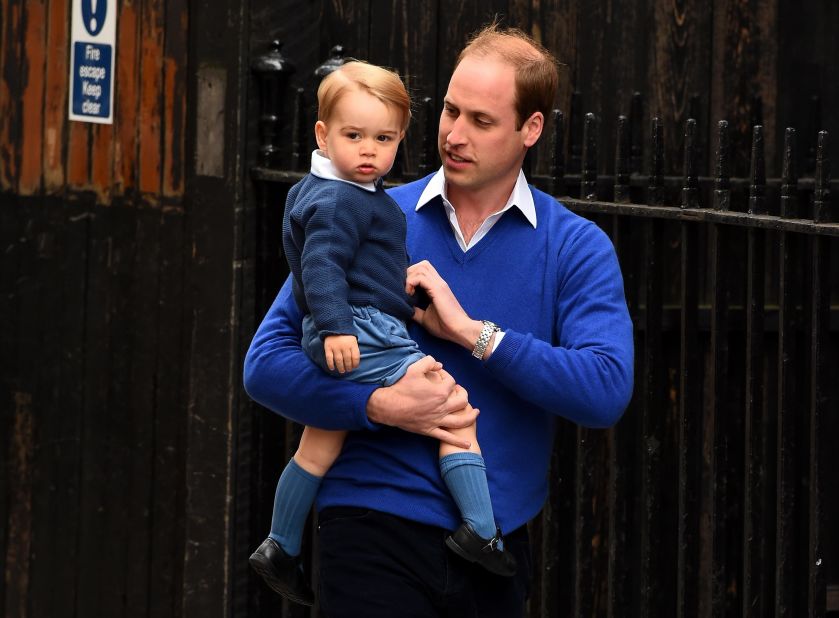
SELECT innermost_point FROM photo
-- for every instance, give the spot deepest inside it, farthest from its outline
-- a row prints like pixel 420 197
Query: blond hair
pixel 377 81
pixel 537 76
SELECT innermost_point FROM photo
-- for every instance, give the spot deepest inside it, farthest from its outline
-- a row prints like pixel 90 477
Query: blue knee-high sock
pixel 465 476
pixel 296 491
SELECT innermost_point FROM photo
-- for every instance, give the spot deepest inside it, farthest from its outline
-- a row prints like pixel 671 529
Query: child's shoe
pixel 466 543
pixel 282 573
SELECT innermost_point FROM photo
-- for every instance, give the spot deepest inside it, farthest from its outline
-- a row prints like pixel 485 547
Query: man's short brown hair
pixel 535 67
pixel 377 81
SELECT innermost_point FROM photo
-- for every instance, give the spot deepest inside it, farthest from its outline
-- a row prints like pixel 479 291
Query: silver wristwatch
pixel 489 329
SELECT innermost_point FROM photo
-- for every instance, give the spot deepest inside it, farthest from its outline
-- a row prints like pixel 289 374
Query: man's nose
pixel 457 134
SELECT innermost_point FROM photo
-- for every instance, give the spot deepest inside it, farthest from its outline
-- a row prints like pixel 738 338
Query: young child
pixel 344 239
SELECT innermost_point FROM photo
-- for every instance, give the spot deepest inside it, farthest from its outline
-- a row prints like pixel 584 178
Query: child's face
pixel 361 136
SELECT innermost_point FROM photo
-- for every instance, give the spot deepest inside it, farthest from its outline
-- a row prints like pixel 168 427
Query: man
pixel 526 312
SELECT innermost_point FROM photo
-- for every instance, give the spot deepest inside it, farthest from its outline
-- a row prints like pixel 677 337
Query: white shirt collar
pixel 322 167
pixel 521 198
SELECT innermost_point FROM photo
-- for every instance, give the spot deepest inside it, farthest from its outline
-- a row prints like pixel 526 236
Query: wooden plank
pixel 102 162
pixel 127 100
pixel 457 20
pixel 559 34
pixel 208 573
pixel 678 63
pixel 78 155
pixel 612 41
pixel 555 576
pixel 651 584
pixel 151 99
pixel 10 91
pixel 715 576
pixel 298 30
pixel 32 97
pixel 624 438
pixel 404 36
pixel 56 95
pixel 169 428
pixel 819 376
pixel 174 94
pixel 745 58
pixel 55 377
pixel 346 24
pixel 17 562
pixel 591 529
pixel 787 436
pixel 136 333
pixel 10 265
pixel 756 577
pixel 690 422
pixel 107 504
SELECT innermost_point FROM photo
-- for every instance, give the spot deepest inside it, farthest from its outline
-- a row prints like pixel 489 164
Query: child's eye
pixel 353 135
pixel 384 138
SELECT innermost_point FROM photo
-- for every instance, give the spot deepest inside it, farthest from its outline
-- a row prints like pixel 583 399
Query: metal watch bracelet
pixel 489 329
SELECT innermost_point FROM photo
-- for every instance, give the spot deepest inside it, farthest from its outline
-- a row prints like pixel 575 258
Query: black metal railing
pixel 711 495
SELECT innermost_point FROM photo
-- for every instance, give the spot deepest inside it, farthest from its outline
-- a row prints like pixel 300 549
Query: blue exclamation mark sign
pixel 93 15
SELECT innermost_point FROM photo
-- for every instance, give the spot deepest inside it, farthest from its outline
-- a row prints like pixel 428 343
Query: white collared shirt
pixel 322 167
pixel 521 198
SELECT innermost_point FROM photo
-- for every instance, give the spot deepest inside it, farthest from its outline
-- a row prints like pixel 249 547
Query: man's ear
pixel 320 134
pixel 532 128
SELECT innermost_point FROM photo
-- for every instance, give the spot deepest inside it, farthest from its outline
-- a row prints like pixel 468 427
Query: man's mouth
pixel 454 157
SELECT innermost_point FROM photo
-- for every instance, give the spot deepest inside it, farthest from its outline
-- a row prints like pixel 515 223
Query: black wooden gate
pixel 712 495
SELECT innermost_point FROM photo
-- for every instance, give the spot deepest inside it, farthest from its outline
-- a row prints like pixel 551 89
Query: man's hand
pixel 341 352
pixel 427 401
pixel 444 317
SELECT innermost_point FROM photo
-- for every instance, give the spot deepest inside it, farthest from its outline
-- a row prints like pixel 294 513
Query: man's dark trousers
pixel 379 566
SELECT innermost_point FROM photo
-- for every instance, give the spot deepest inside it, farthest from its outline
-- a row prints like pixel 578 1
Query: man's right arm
pixel 279 376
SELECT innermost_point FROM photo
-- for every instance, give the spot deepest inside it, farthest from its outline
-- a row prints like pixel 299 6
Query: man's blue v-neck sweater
pixel 557 293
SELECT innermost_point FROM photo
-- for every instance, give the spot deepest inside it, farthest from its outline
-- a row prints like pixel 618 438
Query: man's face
pixel 478 141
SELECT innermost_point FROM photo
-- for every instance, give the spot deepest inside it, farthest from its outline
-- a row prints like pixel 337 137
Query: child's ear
pixel 320 134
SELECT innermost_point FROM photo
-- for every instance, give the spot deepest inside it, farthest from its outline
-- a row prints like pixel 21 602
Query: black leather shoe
pixel 283 573
pixel 466 543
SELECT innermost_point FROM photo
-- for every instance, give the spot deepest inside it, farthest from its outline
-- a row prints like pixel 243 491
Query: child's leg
pixel 299 484
pixel 464 473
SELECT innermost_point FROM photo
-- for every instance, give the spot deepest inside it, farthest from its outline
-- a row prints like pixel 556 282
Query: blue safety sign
pixel 92 55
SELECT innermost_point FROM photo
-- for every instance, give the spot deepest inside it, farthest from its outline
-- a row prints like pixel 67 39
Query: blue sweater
pixel 345 247
pixel 555 290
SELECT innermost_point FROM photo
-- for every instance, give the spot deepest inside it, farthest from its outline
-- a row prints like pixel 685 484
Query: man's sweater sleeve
pixel 587 375
pixel 279 375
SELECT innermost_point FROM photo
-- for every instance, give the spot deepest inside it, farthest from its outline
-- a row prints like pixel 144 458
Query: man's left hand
pixel 444 317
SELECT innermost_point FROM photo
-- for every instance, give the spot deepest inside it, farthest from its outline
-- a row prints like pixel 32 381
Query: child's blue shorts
pixel 384 344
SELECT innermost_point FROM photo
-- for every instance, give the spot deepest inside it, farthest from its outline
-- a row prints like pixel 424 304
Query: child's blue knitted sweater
pixel 557 293
pixel 345 247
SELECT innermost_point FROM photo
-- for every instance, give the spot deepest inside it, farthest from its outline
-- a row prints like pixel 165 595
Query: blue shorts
pixel 384 344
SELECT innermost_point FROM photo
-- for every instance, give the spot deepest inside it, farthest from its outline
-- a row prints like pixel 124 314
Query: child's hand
pixel 341 352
